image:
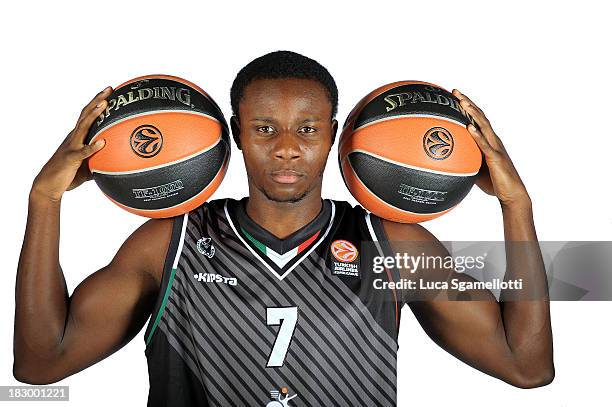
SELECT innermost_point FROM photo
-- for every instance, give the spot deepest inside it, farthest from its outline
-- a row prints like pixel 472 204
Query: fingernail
pixel 99 105
pixel 100 143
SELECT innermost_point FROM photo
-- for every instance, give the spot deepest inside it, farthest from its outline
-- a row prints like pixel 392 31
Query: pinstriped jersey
pixel 246 319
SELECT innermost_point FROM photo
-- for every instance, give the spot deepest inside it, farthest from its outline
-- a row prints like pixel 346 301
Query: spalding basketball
pixel 405 152
pixel 167 146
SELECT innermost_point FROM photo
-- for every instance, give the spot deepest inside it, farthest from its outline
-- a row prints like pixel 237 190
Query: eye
pixel 265 129
pixel 307 129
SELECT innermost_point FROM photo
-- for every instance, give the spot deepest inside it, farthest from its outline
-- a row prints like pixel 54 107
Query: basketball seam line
pixel 173 206
pixel 151 113
pixel 156 167
pixel 398 116
pixel 393 206
pixel 452 174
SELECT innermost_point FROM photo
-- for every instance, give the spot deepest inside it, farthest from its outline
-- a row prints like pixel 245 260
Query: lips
pixel 286 176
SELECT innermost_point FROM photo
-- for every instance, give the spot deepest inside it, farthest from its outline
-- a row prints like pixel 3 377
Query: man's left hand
pixel 497 176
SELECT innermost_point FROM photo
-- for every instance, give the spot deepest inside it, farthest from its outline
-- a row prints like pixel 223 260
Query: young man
pixel 246 302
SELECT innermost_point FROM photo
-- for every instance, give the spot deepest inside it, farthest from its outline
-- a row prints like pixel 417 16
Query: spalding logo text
pixel 159 92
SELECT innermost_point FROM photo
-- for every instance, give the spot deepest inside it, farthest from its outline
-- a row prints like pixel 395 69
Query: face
pixel 285 131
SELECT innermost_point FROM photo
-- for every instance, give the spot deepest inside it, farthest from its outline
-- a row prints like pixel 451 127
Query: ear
pixel 235 125
pixel 334 131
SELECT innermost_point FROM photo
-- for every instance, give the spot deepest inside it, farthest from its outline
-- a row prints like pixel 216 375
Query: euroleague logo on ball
pixel 146 141
pixel 438 143
pixel 344 251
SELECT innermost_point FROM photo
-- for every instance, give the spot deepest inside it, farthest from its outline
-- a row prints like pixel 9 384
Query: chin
pixel 288 195
pixel 287 198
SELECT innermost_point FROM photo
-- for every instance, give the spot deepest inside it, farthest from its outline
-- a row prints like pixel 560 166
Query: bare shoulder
pixel 406 231
pixel 411 235
pixel 145 249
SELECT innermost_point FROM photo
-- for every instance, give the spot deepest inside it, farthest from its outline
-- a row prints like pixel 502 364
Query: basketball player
pixel 266 301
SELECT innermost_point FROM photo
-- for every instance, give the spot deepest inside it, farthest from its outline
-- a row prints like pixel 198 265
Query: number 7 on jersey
pixel 286 317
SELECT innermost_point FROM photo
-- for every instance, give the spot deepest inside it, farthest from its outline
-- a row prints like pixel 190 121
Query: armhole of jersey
pixel 170 264
pixel 381 240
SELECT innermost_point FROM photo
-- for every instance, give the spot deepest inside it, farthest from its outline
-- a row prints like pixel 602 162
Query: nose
pixel 287 146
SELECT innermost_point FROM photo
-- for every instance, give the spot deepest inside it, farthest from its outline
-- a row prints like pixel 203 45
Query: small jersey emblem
pixel 205 247
pixel 346 255
pixel 278 400
pixel 344 251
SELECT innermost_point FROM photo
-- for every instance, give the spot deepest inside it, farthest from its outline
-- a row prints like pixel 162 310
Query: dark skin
pixel 285 131
pixel 57 335
pixel 510 340
pixel 285 134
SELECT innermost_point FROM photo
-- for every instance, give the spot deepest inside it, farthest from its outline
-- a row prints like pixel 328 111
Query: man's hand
pixel 67 168
pixel 511 340
pixel 498 176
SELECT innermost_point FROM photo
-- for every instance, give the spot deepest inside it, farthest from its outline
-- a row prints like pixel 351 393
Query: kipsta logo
pixel 438 143
pixel 146 141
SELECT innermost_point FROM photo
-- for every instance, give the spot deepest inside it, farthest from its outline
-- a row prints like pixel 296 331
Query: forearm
pixel 41 297
pixel 526 313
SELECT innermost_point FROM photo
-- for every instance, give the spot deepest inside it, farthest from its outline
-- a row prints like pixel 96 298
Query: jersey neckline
pixel 280 256
pixel 281 246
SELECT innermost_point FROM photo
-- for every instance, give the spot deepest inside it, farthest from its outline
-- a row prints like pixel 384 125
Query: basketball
pixel 405 152
pixel 167 146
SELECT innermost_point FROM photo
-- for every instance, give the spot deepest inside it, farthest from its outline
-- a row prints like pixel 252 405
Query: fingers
pixel 89 113
pixel 90 149
pixel 484 145
pixel 481 120
pixel 461 97
pixel 87 151
pixel 102 95
pixel 472 109
pixel 86 121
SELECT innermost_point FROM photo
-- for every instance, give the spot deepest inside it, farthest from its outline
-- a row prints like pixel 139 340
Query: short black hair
pixel 283 65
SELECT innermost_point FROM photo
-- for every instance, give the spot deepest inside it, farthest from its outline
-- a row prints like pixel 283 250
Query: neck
pixel 283 218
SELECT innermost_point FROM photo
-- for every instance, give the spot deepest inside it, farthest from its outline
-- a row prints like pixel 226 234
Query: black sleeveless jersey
pixel 246 319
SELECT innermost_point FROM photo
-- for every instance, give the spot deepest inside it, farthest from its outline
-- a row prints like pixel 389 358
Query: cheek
pixel 254 153
pixel 317 156
pixel 252 165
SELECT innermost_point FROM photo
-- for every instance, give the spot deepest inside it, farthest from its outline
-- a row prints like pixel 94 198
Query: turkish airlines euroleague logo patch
pixel 438 143
pixel 344 251
pixel 346 255
pixel 146 141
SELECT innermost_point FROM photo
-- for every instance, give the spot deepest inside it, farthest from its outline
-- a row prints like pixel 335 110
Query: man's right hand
pixel 57 334
pixel 67 168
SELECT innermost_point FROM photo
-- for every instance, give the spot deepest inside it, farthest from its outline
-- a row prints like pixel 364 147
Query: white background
pixel 539 70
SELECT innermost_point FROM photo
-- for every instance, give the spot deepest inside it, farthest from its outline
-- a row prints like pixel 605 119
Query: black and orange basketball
pixel 167 146
pixel 405 152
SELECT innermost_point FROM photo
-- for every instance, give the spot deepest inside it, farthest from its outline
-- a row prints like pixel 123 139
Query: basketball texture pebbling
pixel 167 146
pixel 405 152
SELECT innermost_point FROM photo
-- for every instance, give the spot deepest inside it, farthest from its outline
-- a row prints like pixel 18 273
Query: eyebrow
pixel 311 119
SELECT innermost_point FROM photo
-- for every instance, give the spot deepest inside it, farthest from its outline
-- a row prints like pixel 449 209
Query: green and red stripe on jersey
pixel 277 258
